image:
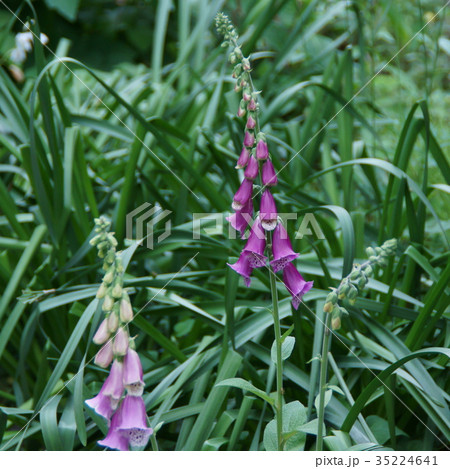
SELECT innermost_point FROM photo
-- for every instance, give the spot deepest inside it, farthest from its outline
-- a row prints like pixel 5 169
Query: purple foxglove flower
pixel 242 195
pixel 262 152
pixel 249 139
pixel 251 105
pixel 102 334
pixel 133 421
pixel 268 211
pixel 281 249
pixel 295 284
pixel 269 177
pixel 241 219
pixel 242 267
pixel 251 123
pixel 105 402
pixel 114 439
pixel 133 377
pixel 243 158
pixel 126 311
pixel 255 246
pixel 105 355
pixel 120 346
pixel 252 170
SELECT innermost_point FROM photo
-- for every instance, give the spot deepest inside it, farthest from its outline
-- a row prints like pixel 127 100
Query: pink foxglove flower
pixel 251 172
pixel 262 152
pixel 133 377
pixel 254 249
pixel 295 284
pixel 269 177
pixel 120 345
pixel 249 139
pixel 102 334
pixel 243 268
pixel 268 211
pixel 241 219
pixel 106 401
pixel 133 421
pixel 242 195
pixel 105 355
pixel 243 158
pixel 251 105
pixel 114 439
pixel 251 123
pixel 281 249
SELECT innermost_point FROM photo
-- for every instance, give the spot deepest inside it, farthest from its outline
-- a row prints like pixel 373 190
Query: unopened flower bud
pixel 328 307
pixel 126 311
pixel 368 270
pixel 355 274
pixel 246 96
pixel 252 105
pixel 109 277
pixel 105 355
pixel 102 334
pixel 241 110
pixel 332 297
pixel 117 291
pixel 113 322
pixel 245 64
pixel 249 139
pixel 352 292
pixel 120 345
pixel 336 323
pixel 108 303
pixel 251 123
pixel 370 251
pixel 101 292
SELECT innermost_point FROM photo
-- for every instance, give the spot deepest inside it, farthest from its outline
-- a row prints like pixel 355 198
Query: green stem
pixel 322 382
pixel 153 442
pixel 279 364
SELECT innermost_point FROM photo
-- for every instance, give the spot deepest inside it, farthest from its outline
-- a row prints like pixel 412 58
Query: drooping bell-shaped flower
pixel 102 334
pixel 133 377
pixel 114 439
pixel 254 249
pixel 281 249
pixel 241 219
pixel 262 152
pixel 295 284
pixel 249 139
pixel 251 172
pixel 243 158
pixel 120 346
pixel 269 177
pixel 133 421
pixel 106 401
pixel 243 268
pixel 242 195
pixel 105 355
pixel 268 211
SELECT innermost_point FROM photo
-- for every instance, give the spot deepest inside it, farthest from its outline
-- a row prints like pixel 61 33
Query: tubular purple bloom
pixel 114 439
pixel 252 170
pixel 251 123
pixel 269 177
pixel 242 267
pixel 262 152
pixel 268 211
pixel 281 249
pixel 240 220
pixel 249 139
pixel 102 334
pixel 254 249
pixel 105 402
pixel 243 158
pixel 105 355
pixel 120 346
pixel 133 377
pixel 295 284
pixel 133 421
pixel 242 195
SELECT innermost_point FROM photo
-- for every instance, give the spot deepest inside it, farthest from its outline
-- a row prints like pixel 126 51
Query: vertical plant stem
pixel 322 382
pixel 279 364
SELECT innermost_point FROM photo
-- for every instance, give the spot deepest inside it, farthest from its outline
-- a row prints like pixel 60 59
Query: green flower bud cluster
pixel 355 282
pixel 116 303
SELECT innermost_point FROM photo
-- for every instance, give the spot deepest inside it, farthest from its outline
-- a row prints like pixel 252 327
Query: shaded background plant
pixel 377 171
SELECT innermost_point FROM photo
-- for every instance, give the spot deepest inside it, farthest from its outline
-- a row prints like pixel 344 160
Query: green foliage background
pixel 148 86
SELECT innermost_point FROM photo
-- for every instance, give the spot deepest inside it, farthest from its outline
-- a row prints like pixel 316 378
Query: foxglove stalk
pixel 252 170
pixel 243 158
pixel 281 249
pixel 133 421
pixel 295 284
pixel 132 373
pixel 269 177
pixel 241 219
pixel 242 195
pixel 268 211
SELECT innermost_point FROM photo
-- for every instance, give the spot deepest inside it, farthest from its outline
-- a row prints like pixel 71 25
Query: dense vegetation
pixel 136 105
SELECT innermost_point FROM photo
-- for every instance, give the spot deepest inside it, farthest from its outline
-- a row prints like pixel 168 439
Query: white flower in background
pixel 24 44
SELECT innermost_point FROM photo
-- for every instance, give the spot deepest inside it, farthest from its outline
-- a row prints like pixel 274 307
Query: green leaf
pixel 246 386
pixel 286 349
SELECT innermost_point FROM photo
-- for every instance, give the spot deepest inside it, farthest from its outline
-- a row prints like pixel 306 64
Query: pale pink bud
pixel 126 311
pixel 102 334
pixel 251 105
pixel 105 355
pixel 251 123
pixel 120 346
pixel 113 322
